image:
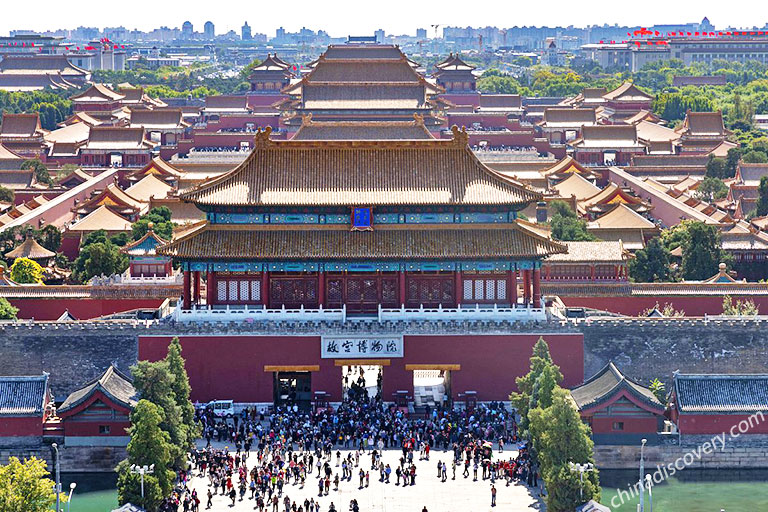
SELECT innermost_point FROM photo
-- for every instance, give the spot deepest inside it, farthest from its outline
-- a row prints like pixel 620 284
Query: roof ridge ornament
pixel 262 140
pixel 460 137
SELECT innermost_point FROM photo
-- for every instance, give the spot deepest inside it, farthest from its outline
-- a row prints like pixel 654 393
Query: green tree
pixel 99 259
pixel 49 237
pixel 659 390
pixel 540 360
pixel 762 198
pixel 717 167
pixel 181 388
pixel 746 307
pixel 711 188
pixel 160 218
pixel 7 311
pixel 650 264
pixel 26 271
pixel 754 157
pixel 149 446
pixel 155 382
pixel 702 251
pixel 568 227
pixel 25 486
pixel 40 170
pixel 6 195
pixel 563 438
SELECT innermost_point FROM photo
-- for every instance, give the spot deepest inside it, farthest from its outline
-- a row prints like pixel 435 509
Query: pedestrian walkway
pixel 459 495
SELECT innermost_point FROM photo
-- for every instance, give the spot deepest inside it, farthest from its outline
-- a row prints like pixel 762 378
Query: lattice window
pixel 221 291
pixel 490 289
pixel 244 291
pixel 479 290
pixel 232 291
pixel 255 290
pixel 501 289
pixel 468 290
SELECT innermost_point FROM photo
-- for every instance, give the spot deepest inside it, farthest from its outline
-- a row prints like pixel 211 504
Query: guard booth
pixel 401 399
pixel 470 399
pixel 321 401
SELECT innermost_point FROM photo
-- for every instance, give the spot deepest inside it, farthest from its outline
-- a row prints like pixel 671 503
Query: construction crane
pixel 436 27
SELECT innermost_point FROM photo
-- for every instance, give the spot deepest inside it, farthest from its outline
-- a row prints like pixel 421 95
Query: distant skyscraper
pixel 187 30
pixel 421 33
pixel 245 33
pixel 379 36
pixel 209 30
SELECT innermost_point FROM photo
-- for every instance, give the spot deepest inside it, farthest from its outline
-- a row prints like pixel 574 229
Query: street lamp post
pixel 642 475
pixel 143 470
pixel 58 477
pixel 650 492
pixel 71 492
pixel 581 468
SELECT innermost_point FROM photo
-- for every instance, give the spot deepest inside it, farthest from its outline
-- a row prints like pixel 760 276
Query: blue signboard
pixel 362 219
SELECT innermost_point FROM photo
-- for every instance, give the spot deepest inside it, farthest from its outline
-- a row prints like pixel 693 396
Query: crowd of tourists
pixel 267 456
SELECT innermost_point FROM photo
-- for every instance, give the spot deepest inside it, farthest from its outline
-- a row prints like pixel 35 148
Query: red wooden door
pixel 293 291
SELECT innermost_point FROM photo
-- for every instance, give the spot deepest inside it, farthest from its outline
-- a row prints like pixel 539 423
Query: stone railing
pixel 476 313
pixel 254 314
pixel 439 314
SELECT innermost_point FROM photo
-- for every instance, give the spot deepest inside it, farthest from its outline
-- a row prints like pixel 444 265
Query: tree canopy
pixel 7 311
pixel 25 486
pixel 650 264
pixel 566 225
pixel 26 271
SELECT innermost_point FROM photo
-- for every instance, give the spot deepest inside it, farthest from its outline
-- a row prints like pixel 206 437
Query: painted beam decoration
pixel 361 347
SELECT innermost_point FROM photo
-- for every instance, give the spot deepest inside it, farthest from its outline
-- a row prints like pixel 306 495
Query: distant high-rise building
pixel 209 30
pixel 245 32
pixel 421 33
pixel 280 33
pixel 379 36
pixel 187 30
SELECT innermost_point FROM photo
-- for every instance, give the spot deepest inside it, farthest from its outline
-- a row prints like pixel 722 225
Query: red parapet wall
pixel 691 305
pixel 233 367
pixel 714 424
pixel 80 308
pixel 21 427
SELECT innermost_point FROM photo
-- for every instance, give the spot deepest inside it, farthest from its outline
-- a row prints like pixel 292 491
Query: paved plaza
pixel 459 495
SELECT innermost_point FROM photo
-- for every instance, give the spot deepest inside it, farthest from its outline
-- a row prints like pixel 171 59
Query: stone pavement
pixel 460 495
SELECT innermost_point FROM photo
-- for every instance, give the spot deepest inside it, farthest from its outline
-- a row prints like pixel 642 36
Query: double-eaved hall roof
pixel 361 173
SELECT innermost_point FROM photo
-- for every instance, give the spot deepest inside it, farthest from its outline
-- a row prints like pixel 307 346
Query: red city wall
pixel 81 309
pixel 21 427
pixel 633 306
pixel 232 367
pixel 717 423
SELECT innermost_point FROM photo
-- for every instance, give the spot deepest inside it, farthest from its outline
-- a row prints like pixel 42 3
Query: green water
pixel 693 491
pixel 94 492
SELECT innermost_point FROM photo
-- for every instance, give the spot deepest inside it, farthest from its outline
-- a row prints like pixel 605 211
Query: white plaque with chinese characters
pixel 364 346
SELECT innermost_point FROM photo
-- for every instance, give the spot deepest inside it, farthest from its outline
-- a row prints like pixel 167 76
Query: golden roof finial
pixel 261 140
pixel 460 137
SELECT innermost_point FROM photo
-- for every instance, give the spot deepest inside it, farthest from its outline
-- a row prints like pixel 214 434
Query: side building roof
pixel 115 385
pixel 721 393
pixel 23 396
pixel 606 384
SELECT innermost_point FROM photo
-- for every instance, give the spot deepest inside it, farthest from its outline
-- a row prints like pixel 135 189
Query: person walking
pixel 493 495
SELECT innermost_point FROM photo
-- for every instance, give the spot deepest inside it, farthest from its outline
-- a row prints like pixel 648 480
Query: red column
pixel 321 289
pixel 459 288
pixel 265 288
pixel 210 288
pixel 187 291
pixel 526 287
pixel 591 272
pixel 402 286
pixel 512 287
pixel 537 288
pixel 196 282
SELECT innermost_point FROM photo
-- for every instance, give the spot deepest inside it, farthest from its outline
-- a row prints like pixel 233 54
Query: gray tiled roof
pixel 23 396
pixel 721 393
pixel 605 383
pixel 112 383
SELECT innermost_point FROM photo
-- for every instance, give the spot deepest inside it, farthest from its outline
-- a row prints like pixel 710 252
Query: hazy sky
pixel 344 17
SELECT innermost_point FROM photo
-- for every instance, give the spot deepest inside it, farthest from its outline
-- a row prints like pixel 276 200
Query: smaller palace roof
pixel 148 187
pixel 608 136
pixel 102 218
pixel 565 166
pixel 558 117
pixel 158 119
pixel 18 126
pixel 144 246
pixel 454 63
pixel 720 393
pixel 30 249
pixel 97 93
pixel 606 384
pixel 157 167
pixel 23 396
pixel 117 138
pixel 703 124
pixel 627 92
pixel 621 217
pixel 591 252
pixel 575 185
pixel 116 386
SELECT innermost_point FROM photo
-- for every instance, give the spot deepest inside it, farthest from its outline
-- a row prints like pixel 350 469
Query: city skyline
pixel 317 16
